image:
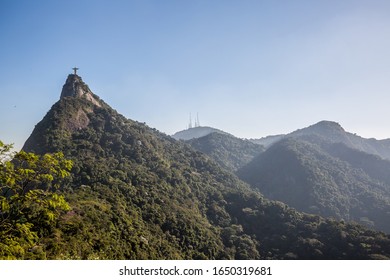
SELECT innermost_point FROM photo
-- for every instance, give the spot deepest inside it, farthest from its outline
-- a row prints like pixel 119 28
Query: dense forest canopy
pixel 135 193
pixel 329 179
pixel 321 169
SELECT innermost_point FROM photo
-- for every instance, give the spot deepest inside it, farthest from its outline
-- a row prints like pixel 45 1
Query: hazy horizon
pixel 250 68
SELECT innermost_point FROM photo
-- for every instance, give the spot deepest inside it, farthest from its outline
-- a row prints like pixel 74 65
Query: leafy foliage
pixel 29 206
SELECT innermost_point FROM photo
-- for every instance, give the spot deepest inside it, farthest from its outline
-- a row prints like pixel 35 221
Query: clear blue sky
pixel 251 68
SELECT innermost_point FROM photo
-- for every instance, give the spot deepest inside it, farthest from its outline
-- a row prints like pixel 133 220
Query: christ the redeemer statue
pixel 75 70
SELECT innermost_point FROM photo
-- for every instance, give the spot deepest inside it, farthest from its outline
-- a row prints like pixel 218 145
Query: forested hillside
pixel 321 169
pixel 329 179
pixel 230 152
pixel 135 193
pixel 332 132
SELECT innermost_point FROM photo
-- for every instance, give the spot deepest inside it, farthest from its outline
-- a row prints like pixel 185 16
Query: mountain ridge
pixel 329 130
pixel 329 179
pixel 321 169
pixel 137 193
pixel 196 132
pixel 230 152
pixel 335 133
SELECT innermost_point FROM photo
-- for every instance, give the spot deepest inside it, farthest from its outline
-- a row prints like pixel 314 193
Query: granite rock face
pixel 75 87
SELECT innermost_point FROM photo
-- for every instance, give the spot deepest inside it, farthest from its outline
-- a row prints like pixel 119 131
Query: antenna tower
pixel 190 124
pixel 197 124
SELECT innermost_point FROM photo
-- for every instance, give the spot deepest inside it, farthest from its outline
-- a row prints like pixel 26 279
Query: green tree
pixel 29 204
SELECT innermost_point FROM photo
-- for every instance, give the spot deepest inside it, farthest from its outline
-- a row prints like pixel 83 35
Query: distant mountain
pixel 195 132
pixel 230 152
pixel 315 175
pixel 333 132
pixel 268 140
pixel 136 193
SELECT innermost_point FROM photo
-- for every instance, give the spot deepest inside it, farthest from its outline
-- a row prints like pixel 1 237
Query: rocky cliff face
pixel 75 87
pixel 70 114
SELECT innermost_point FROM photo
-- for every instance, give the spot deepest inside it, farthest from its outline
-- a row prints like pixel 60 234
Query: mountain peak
pixel 75 87
pixel 328 125
pixel 195 132
pixel 323 128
